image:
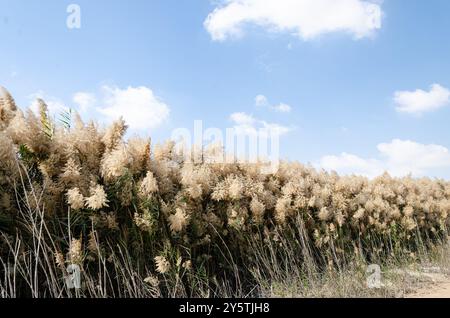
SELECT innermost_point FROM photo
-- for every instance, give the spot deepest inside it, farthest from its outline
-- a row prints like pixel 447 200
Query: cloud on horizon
pixel 399 158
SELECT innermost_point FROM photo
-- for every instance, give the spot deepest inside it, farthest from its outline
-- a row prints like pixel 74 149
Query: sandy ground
pixel 437 290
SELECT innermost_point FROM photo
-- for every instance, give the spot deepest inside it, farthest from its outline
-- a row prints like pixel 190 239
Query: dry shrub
pixel 153 212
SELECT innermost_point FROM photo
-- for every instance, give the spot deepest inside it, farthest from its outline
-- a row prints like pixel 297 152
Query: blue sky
pixel 357 75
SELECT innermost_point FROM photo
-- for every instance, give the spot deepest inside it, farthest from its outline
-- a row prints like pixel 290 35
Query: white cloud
pixel 242 119
pixel 420 101
pixel 399 158
pixel 139 107
pixel 55 105
pixel 263 101
pixel 249 125
pixel 306 19
pixel 351 164
pixel 282 108
pixel 84 101
pixel 405 157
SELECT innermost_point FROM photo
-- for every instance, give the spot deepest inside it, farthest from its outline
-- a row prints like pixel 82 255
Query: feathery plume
pixel 178 221
pixel 98 198
pixel 162 264
pixel 75 199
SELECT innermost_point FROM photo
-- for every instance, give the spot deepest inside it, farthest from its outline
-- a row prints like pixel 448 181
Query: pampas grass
pixel 145 221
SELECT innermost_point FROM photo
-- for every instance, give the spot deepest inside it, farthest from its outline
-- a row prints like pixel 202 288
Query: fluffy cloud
pixel 138 106
pixel 420 101
pixel 262 101
pixel 55 105
pixel 399 158
pixel 282 108
pixel 405 157
pixel 249 125
pixel 242 119
pixel 351 164
pixel 84 101
pixel 306 19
